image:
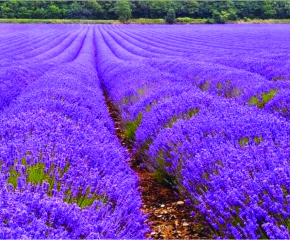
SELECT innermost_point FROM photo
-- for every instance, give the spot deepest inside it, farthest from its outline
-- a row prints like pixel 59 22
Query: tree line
pixel 165 9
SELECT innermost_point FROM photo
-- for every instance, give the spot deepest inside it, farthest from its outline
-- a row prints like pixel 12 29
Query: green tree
pixel 10 8
pixel 269 9
pixel 186 8
pixel 54 12
pixel 108 10
pixel 255 9
pixel 158 9
pixel 170 17
pixel 91 9
pixel 204 10
pixel 39 13
pixel 23 12
pixel 241 8
pixel 232 14
pixel 221 11
pixel 220 17
pixel 74 10
pixel 123 10
pixel 287 10
pixel 141 9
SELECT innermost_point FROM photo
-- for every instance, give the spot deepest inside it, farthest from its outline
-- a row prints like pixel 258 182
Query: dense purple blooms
pixel 63 171
pixel 207 106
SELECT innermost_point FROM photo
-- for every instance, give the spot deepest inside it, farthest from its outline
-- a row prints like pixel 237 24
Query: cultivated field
pixel 204 107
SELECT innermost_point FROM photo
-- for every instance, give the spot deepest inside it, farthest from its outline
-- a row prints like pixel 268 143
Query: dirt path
pixel 169 215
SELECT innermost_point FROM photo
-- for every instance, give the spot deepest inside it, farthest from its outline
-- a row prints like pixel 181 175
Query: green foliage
pixel 227 90
pixel 149 107
pixel 209 20
pixel 54 12
pixel 204 86
pixel 245 19
pixel 170 17
pixel 146 21
pixel 245 141
pixel 220 12
pixel 189 20
pixel 191 112
pixel 88 9
pixel 158 9
pixel 184 20
pixel 131 127
pixel 129 99
pixel 107 10
pixel 39 13
pixel 59 21
pixel 186 115
pixel 123 10
pixel 269 10
pixel 220 17
pixel 279 78
pixel 232 14
pixel 161 174
pixel 260 101
pixel 187 8
pixel 36 174
pixel 13 176
pixel 84 200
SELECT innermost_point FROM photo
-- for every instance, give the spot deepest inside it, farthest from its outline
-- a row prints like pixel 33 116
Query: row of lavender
pixel 214 63
pixel 63 172
pixel 219 133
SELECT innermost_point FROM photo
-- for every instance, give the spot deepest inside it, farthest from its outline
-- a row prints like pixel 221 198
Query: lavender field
pixel 205 107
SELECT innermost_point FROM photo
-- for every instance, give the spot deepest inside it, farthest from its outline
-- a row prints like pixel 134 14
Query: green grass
pixel 262 21
pixel 36 175
pixel 204 86
pixel 131 127
pixel 186 115
pixel 245 141
pixel 184 20
pixel 85 200
pixel 161 174
pixel 228 91
pixel 66 21
pixel 84 21
pixel 127 99
pixel 146 21
pixel 13 176
pixel 282 78
pixel 188 20
pixel 260 101
pixel 131 98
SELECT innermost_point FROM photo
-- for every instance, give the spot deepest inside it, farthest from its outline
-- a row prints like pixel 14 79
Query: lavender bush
pixel 205 106
pixel 63 171
pixel 208 114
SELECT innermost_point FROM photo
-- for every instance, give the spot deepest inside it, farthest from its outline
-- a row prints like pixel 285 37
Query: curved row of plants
pixel 267 77
pixel 62 170
pixel 206 128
